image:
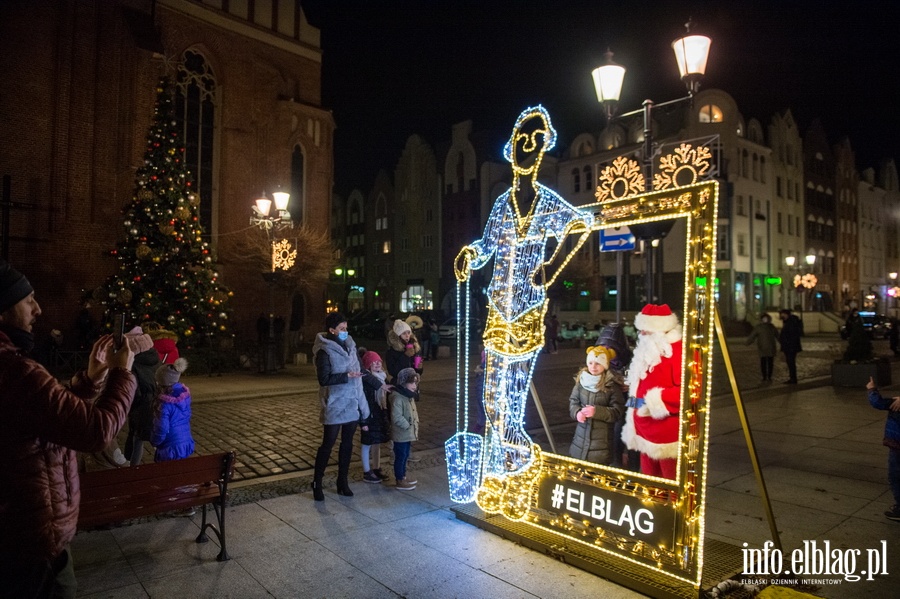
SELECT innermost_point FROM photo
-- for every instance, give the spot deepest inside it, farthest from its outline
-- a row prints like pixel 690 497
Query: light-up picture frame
pixel 652 522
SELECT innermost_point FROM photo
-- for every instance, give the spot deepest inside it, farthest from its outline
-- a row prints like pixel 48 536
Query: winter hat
pixel 600 354
pixel 138 341
pixel 401 327
pixel 656 319
pixel 334 319
pixel 169 374
pixel 406 375
pixel 370 358
pixel 14 287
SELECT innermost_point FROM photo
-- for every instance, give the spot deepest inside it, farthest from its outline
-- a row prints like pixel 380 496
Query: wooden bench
pixel 109 496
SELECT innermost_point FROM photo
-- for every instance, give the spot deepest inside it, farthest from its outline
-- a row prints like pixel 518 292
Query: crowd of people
pixel 624 404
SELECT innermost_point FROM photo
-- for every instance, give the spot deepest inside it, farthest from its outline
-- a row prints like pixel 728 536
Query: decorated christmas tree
pixel 166 269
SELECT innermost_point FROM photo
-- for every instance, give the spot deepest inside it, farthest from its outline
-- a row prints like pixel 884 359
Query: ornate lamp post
pixel 893 291
pixel 343 274
pixel 691 54
pixel 282 258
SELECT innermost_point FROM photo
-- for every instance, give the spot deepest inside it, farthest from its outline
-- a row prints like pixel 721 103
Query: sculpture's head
pixel 532 136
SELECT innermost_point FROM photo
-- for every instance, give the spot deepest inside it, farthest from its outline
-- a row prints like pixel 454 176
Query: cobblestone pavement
pixel 272 421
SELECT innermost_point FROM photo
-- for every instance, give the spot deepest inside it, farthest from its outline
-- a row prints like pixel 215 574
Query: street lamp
pixel 281 258
pixel 343 273
pixel 894 291
pixel 691 54
pixel 262 205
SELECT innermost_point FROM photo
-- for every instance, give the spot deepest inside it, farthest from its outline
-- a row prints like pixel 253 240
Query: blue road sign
pixel 619 239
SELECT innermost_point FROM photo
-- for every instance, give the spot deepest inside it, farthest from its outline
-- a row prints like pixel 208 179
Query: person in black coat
pixel 789 338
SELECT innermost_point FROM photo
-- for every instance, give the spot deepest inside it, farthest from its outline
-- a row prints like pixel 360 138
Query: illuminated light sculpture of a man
pixel 516 236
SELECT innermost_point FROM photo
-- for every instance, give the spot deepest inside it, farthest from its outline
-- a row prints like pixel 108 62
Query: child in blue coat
pixel 172 414
pixel 891 441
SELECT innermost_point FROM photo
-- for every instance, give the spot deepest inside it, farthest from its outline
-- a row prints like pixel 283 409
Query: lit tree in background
pixel 166 270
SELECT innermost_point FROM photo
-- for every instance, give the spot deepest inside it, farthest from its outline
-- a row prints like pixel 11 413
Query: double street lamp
pixel 807 281
pixel 892 291
pixel 344 274
pixel 691 55
pixel 281 258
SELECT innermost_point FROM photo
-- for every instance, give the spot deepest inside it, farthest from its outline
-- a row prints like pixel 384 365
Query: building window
pixel 778 186
pixel 723 251
pixel 711 114
pixel 587 177
pixel 386 247
pixel 576 180
pixel 778 221
pixel 741 245
pixel 739 207
pixel 297 203
pixel 195 112
pixel 759 247
pixel 429 215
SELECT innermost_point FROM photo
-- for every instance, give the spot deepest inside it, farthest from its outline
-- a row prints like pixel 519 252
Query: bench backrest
pixel 124 493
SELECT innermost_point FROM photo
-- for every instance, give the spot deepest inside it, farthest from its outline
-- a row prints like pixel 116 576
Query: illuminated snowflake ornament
pixel 283 255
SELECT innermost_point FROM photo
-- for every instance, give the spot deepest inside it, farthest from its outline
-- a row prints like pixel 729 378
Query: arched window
pixel 195 112
pixel 297 206
pixel 711 114
pixel 576 180
pixel 755 167
pixel 745 163
pixel 762 169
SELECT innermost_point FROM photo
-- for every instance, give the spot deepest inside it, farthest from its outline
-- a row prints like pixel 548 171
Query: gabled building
pixel 820 207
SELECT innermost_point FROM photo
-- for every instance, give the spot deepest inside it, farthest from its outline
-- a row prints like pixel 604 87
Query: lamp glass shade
pixel 350 272
pixel 281 199
pixel 811 259
pixel 338 271
pixel 691 53
pixel 893 276
pixel 608 80
pixel 790 260
pixel 263 205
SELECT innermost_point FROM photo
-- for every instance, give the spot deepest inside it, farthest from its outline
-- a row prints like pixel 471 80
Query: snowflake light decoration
pixel 283 255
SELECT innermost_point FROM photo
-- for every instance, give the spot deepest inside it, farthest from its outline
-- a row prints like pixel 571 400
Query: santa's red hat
pixel 656 318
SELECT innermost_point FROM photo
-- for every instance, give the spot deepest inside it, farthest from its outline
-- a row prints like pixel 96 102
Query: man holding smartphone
pixel 44 423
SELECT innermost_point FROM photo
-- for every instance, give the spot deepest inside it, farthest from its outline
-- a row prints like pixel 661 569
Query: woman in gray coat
pixel 596 402
pixel 343 400
pixel 765 334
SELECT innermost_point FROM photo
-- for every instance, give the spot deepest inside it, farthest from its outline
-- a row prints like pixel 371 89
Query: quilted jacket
pixel 44 423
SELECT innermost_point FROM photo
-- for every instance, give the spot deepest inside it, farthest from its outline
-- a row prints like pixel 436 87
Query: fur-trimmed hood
pixel 398 344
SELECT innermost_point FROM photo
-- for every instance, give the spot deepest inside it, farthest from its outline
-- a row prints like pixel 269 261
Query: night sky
pixel 395 68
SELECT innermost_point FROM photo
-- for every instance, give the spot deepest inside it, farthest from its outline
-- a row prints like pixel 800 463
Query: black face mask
pixel 21 339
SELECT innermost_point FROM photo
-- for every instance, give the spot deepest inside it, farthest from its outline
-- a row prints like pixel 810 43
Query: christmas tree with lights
pixel 166 269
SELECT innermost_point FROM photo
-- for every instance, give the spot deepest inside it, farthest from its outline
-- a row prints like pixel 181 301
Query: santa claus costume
pixel 654 384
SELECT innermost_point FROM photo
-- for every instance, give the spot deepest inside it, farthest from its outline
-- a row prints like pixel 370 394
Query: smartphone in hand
pixel 119 330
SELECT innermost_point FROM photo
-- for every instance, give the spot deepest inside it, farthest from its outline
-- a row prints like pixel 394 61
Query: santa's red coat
pixel 653 428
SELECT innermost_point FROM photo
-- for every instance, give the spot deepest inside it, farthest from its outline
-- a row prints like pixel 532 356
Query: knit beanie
pixel 601 355
pixel 14 287
pixel 169 374
pixel 370 358
pixel 334 319
pixel 401 327
pixel 406 375
pixel 138 341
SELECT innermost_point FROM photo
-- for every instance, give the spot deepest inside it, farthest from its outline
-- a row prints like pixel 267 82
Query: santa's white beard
pixel 650 350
